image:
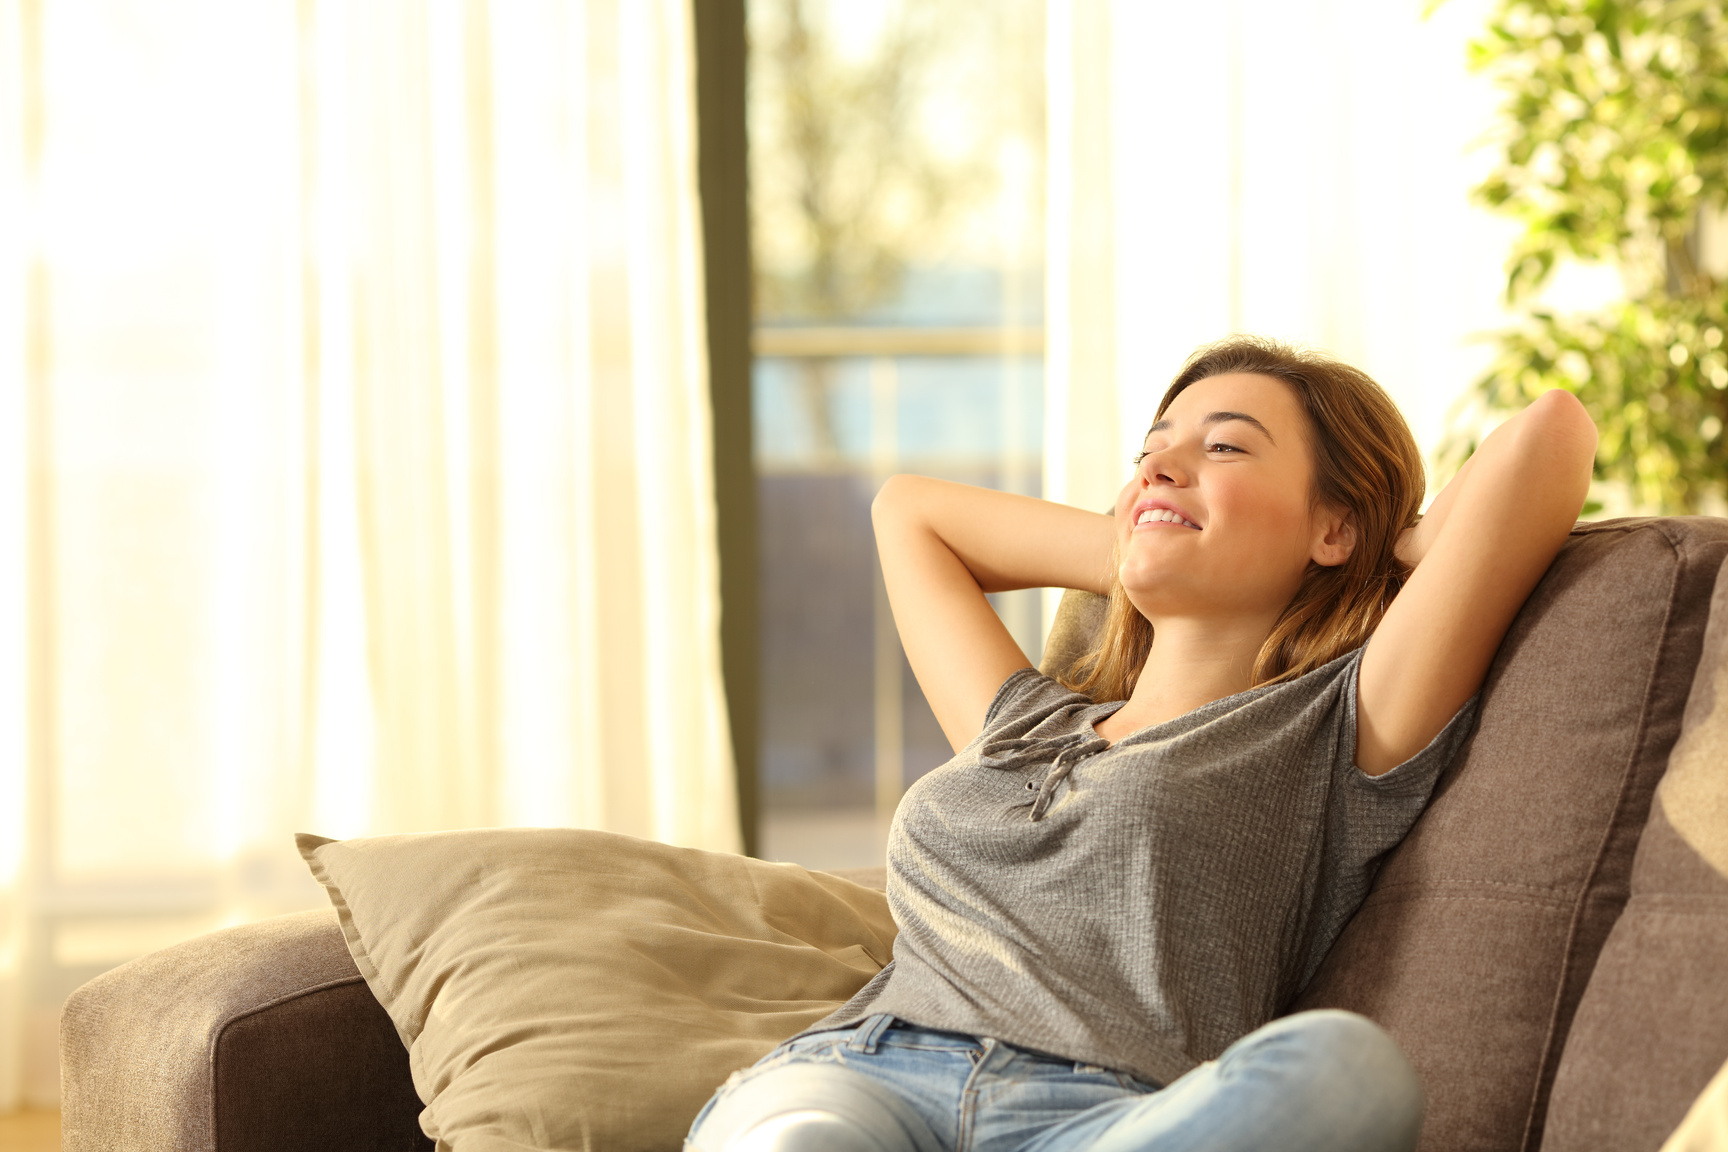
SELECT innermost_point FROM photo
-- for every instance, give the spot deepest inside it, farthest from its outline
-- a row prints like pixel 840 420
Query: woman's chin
pixel 1154 572
pixel 1175 590
pixel 1151 590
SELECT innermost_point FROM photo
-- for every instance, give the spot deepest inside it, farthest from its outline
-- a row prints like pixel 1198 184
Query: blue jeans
pixel 1326 1080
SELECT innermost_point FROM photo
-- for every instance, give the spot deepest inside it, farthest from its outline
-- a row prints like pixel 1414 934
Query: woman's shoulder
pixel 1327 688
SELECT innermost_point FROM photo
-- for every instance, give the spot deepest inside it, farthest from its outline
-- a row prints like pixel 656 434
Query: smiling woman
pixel 1342 446
pixel 1124 880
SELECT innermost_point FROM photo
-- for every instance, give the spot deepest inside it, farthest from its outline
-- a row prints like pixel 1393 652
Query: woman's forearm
pixel 1005 541
pixel 942 546
pixel 1505 452
pixel 1415 541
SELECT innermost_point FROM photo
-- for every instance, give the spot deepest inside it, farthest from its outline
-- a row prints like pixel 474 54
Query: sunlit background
pixel 985 237
pixel 358 474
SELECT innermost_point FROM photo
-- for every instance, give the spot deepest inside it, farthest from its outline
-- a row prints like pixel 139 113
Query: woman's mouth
pixel 1165 516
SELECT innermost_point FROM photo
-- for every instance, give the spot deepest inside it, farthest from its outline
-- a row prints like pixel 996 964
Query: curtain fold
pixel 377 495
pixel 1080 372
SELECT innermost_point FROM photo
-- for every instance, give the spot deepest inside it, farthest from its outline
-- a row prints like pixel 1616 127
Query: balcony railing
pixel 882 340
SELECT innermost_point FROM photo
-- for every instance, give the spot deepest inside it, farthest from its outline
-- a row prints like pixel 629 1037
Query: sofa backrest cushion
pixel 1078 618
pixel 1480 935
pixel 1653 1025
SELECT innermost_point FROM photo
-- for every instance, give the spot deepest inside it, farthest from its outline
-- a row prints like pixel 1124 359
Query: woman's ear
pixel 1334 539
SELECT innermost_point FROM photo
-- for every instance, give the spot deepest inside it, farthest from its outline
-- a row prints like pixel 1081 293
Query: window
pixel 896 210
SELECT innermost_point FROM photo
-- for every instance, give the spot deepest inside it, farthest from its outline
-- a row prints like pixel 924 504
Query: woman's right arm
pixel 942 547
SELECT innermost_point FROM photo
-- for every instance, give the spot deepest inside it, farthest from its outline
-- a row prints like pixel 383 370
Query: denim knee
pixel 787 1106
pixel 1357 1046
pixel 1344 1056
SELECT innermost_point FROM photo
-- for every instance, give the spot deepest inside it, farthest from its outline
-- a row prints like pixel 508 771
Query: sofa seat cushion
pixel 559 988
pixel 1653 1025
pixel 1475 945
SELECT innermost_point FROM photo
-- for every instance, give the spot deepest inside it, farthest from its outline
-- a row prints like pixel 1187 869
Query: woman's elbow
pixel 894 498
pixel 1550 443
pixel 1558 419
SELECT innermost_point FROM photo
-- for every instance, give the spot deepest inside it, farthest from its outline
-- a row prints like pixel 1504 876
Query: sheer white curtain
pixel 356 472
pixel 1294 168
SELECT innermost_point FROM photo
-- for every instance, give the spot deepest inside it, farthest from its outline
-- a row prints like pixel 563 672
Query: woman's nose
pixel 1163 467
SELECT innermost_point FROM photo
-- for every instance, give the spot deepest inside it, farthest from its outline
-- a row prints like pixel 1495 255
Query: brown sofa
pixel 1547 947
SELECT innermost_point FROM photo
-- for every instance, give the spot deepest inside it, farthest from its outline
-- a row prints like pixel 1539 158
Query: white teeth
pixel 1164 516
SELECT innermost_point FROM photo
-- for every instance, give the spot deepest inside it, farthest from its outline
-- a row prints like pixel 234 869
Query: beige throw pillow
pixel 583 990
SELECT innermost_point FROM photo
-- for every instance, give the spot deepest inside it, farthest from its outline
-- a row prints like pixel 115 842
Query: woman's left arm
pixel 1485 542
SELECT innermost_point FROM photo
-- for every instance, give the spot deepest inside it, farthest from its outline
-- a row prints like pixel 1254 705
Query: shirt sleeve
pixel 1415 777
pixel 1369 816
pixel 1027 695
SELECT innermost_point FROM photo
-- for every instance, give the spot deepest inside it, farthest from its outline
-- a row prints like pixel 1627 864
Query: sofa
pixel 1549 945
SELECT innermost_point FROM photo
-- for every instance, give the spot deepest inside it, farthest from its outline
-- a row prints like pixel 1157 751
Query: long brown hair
pixel 1366 464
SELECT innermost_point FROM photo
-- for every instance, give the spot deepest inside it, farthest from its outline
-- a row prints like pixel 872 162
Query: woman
pixel 1110 893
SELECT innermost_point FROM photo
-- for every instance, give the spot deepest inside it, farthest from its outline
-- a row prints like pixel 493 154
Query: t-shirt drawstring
pixel 1059 771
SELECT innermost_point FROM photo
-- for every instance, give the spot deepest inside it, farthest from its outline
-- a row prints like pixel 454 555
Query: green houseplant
pixel 1615 149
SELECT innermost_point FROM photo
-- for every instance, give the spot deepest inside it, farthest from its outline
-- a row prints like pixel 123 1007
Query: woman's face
pixel 1219 517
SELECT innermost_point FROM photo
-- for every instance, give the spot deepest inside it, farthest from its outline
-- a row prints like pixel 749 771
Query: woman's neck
pixel 1192 663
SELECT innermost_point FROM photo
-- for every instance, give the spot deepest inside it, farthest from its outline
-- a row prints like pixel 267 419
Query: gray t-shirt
pixel 1140 905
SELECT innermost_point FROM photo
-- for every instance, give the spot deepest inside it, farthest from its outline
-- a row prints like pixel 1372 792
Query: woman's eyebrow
pixel 1219 418
pixel 1222 417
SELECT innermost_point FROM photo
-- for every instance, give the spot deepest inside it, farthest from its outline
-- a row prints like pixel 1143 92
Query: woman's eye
pixel 1223 448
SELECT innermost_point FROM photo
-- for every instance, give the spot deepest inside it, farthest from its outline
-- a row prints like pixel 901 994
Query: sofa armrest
pixel 258 1037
